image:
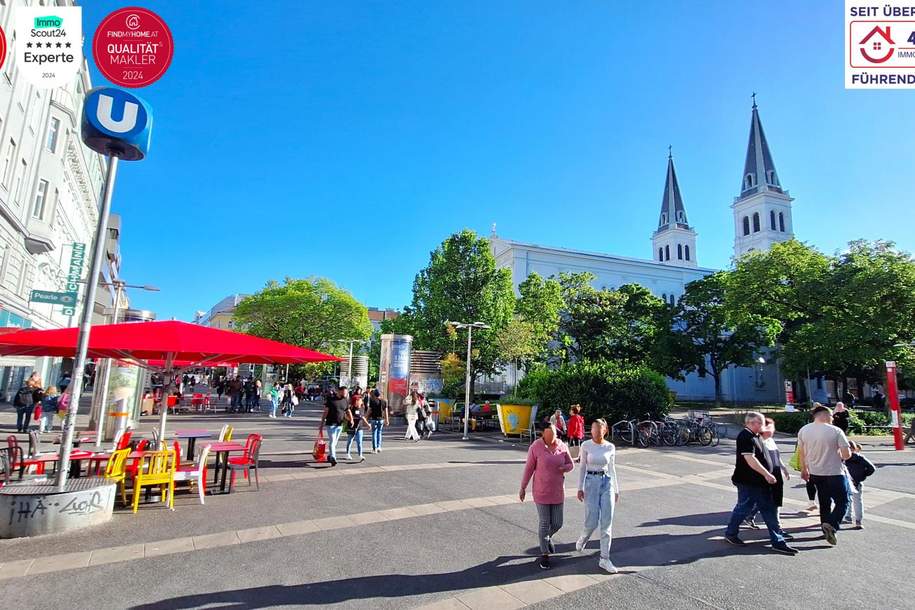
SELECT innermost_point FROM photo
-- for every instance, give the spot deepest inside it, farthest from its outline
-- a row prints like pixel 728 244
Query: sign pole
pixel 892 393
pixel 106 375
pixel 467 386
pixel 95 267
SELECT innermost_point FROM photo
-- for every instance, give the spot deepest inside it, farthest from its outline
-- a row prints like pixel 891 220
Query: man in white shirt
pixel 822 449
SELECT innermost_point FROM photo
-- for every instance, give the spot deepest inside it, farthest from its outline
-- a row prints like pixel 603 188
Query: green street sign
pixel 67 299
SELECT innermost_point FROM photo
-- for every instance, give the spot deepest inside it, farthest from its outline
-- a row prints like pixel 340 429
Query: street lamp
pixel 119 286
pixel 469 326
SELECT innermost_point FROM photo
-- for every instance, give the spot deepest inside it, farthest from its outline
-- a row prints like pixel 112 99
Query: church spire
pixel 759 173
pixel 673 214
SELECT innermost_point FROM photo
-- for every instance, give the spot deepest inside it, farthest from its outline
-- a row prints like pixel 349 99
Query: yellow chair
pixel 156 468
pixel 115 471
pixel 228 435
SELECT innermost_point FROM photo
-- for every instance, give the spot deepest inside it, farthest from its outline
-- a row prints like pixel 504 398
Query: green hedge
pixel 603 389
pixel 790 423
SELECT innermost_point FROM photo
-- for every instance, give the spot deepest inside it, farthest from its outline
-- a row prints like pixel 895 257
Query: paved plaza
pixel 438 524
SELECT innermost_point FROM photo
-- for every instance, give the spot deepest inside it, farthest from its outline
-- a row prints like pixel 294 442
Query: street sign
pixel 116 123
pixel 67 299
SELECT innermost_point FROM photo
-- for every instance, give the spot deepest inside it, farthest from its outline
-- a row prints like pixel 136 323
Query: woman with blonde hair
pixel 48 409
pixel 598 488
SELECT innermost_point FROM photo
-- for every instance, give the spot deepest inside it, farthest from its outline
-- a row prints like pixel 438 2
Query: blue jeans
pixel 832 493
pixel 377 427
pixel 274 405
pixel 599 495
pixel 750 498
pixel 24 418
pixel 333 436
pixel 357 436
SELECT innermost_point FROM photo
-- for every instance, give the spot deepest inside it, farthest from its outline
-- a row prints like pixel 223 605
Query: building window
pixel 672 300
pixel 661 254
pixel 756 222
pixel 664 297
pixel 680 217
pixel 20 178
pixel 53 133
pixel 667 252
pixel 748 182
pixel 41 195
pixel 680 252
pixel 686 251
pixel 771 220
pixel 746 225
pixel 663 218
pixel 771 178
pixel 9 163
pixel 781 222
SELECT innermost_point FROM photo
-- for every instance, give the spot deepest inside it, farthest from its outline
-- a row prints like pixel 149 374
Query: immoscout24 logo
pixel 49 49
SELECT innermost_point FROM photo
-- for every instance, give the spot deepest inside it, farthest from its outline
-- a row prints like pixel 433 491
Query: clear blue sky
pixel 347 139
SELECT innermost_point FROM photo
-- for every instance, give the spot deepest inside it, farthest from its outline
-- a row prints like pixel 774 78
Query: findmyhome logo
pixel 48 22
pixel 49 46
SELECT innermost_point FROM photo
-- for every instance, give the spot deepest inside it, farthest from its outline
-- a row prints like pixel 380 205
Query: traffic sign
pixel 116 123
pixel 68 299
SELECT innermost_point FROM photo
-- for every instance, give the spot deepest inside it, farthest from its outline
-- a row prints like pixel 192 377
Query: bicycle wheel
pixel 716 438
pixel 704 435
pixel 643 436
pixel 669 435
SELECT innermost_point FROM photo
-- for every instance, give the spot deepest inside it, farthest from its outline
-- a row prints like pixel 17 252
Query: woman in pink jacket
pixel 548 461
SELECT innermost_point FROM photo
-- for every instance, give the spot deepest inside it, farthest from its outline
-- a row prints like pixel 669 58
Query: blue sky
pixel 348 139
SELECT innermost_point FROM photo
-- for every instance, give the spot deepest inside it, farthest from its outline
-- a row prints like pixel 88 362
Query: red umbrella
pixel 191 344
pixel 172 343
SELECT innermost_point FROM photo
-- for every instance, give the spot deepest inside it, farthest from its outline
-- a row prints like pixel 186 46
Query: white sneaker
pixel 580 544
pixel 607 565
pixel 349 456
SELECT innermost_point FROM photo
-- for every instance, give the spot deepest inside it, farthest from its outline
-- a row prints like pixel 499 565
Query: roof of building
pixel 673 214
pixel 759 173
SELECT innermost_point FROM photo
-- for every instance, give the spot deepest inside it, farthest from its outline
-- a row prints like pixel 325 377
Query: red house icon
pixel 882 36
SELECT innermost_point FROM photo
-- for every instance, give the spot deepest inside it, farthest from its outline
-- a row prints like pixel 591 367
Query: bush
pixel 789 423
pixel 603 389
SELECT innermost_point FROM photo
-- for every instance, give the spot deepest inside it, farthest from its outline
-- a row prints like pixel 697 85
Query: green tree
pixel 540 305
pixel 462 284
pixel 716 338
pixel 312 313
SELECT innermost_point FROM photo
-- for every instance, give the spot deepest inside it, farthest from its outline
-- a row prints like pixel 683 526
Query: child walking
pixel 859 468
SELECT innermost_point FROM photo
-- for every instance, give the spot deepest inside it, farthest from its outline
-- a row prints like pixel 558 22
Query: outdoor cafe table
pixel 76 457
pixel 192 436
pixel 222 450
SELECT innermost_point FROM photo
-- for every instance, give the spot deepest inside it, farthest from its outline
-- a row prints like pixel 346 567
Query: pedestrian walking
pixel 598 488
pixel 276 395
pixel 410 405
pixel 859 468
pixel 559 422
pixel 48 409
pixel 781 473
pixel 548 461
pixel 258 390
pixel 822 448
pixel 840 417
pixel 576 426
pixel 356 419
pixel 379 418
pixel 754 481
pixel 335 411
pixel 289 400
pixel 25 406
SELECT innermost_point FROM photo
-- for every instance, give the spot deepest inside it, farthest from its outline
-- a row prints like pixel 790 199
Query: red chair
pixel 124 441
pixel 19 461
pixel 134 467
pixel 247 461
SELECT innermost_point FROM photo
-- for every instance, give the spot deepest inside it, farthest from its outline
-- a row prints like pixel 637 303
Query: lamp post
pixel 469 326
pixel 102 400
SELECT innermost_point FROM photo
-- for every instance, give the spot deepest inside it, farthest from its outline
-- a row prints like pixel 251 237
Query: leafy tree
pixel 717 339
pixel 462 284
pixel 312 313
pixel 540 305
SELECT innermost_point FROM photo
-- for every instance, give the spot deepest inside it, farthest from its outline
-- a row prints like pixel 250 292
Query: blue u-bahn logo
pixel 116 123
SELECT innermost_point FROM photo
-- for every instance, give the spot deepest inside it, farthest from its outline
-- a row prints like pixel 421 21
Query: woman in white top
pixel 598 488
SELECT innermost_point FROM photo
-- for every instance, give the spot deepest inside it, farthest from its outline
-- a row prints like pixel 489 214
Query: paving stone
pixel 57 563
pixel 118 553
pixel 167 547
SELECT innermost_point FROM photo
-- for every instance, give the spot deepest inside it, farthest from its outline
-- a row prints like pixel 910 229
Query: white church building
pixel 762 217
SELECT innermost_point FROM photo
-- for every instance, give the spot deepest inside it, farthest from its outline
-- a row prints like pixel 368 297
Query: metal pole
pixel 167 382
pixel 106 374
pixel 349 367
pixel 85 325
pixel 467 385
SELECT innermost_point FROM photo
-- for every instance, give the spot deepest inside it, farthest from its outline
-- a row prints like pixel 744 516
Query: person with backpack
pixel 859 468
pixel 25 406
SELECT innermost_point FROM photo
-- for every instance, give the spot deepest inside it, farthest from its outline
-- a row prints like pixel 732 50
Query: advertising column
pixel 394 370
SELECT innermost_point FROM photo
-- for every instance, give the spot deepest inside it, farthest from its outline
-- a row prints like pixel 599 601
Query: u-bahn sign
pixel 117 123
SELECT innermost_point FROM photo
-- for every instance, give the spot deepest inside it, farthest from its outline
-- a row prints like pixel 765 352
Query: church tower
pixel 762 212
pixel 674 241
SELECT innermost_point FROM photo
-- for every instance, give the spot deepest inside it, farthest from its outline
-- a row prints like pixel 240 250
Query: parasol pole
pixel 166 390
pixel 85 325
